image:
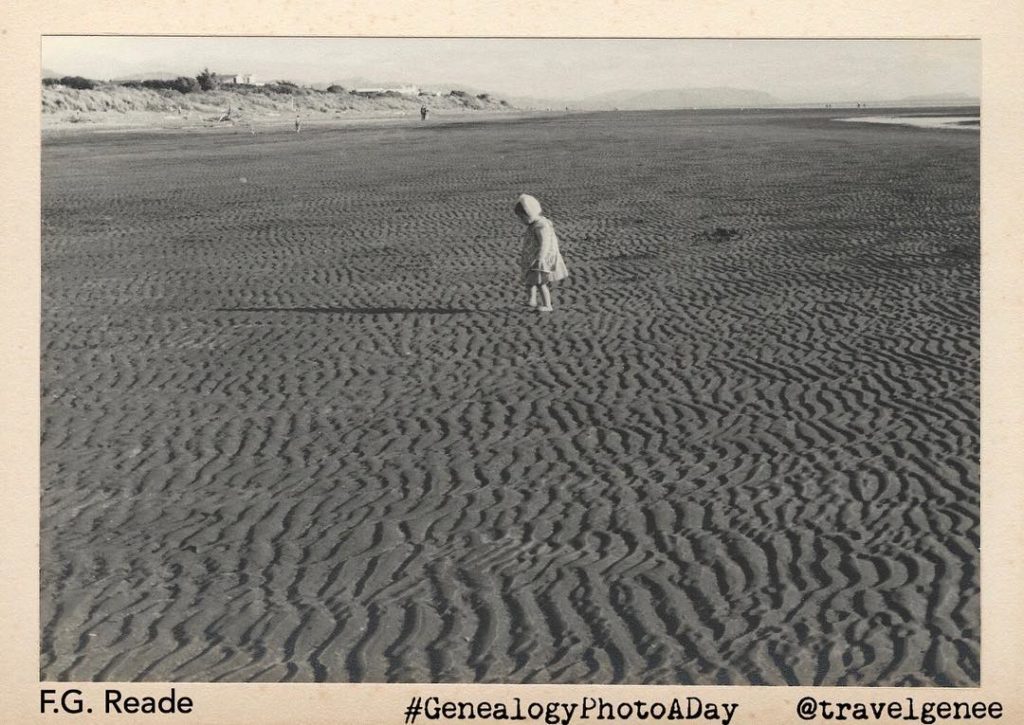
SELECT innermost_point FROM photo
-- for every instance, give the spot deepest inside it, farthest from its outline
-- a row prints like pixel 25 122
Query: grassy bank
pixel 123 105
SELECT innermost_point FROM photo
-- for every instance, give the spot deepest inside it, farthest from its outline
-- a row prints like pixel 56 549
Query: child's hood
pixel 530 205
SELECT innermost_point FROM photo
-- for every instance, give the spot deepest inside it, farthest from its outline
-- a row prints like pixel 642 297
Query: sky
pixel 798 71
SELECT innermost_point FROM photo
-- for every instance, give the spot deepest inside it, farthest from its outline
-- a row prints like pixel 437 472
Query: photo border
pixel 1000 27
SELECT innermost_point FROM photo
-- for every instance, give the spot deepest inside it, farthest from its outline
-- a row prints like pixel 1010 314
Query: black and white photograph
pixel 647 361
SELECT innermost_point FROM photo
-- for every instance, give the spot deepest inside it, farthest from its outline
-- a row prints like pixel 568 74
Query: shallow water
pixel 965 123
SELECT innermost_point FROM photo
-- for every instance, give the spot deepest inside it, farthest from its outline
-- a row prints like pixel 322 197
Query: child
pixel 540 261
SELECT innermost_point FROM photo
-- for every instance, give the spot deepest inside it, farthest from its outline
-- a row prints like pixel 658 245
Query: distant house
pixel 237 79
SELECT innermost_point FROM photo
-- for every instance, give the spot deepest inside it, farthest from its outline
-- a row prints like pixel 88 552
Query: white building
pixel 233 79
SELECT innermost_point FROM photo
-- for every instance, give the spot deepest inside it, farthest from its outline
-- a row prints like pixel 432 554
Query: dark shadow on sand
pixel 359 310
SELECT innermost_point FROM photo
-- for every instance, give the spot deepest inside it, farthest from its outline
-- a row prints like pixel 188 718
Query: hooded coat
pixel 540 260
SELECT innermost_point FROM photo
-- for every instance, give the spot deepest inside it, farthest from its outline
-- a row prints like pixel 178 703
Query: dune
pixel 122 106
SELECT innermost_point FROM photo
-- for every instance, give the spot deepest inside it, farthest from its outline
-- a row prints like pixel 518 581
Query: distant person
pixel 423 113
pixel 540 260
pixel 298 125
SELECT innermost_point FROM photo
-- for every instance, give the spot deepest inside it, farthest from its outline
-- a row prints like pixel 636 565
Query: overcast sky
pixel 790 70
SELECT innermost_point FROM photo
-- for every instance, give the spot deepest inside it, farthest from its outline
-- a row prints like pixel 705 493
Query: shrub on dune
pixel 78 83
pixel 284 87
pixel 181 84
pixel 207 81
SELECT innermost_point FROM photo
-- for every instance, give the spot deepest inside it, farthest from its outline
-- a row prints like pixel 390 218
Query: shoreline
pixel 921 120
pixel 112 122
pixel 102 122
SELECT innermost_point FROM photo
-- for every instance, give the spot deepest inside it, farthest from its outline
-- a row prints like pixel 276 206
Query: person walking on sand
pixel 540 261
pixel 423 113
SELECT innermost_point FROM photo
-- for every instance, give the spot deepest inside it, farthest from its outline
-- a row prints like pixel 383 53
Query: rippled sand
pixel 297 424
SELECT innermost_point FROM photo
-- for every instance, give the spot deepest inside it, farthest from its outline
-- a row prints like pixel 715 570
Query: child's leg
pixel 533 295
pixel 545 294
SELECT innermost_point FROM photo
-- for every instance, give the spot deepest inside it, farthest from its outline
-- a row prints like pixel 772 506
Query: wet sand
pixel 298 425
pixel 964 123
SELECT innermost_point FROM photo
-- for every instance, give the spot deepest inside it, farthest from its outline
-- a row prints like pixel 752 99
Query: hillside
pixel 113 104
pixel 945 99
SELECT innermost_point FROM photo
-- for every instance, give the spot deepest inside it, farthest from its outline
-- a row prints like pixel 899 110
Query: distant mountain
pixel 152 76
pixel 671 98
pixel 363 82
pixel 956 99
pixel 540 104
pixel 355 82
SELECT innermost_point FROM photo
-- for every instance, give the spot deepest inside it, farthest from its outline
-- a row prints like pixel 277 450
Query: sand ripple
pixel 298 427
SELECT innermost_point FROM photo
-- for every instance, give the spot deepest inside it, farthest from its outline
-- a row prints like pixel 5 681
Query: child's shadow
pixel 358 310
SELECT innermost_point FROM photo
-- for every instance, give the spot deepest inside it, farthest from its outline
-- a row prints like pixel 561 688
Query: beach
pixel 299 425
